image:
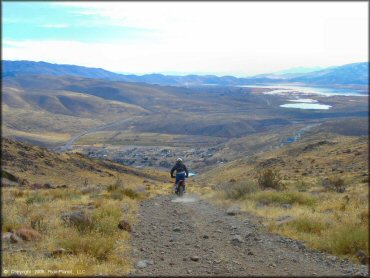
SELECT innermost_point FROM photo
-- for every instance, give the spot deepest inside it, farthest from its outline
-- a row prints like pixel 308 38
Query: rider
pixel 181 171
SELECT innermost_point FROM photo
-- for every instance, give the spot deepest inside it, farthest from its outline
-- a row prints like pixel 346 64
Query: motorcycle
pixel 180 188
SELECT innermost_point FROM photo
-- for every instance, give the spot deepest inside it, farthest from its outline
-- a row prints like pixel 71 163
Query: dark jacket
pixel 179 167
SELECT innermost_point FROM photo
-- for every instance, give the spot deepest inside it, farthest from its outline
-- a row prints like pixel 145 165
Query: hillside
pixel 50 110
pixel 314 190
pixel 351 74
pixel 32 164
pixel 41 108
pixel 82 216
pixel 316 156
pixel 11 68
pixel 63 211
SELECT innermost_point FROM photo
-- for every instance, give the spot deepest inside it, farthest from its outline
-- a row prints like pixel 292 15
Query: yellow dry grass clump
pixel 106 193
pixel 100 248
pixel 324 219
pixel 308 205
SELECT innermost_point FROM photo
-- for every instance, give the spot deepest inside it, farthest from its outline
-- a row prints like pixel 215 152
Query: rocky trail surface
pixel 188 236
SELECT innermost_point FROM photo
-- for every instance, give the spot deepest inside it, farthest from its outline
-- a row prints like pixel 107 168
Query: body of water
pixel 303 100
pixel 306 103
pixel 282 89
pixel 307 106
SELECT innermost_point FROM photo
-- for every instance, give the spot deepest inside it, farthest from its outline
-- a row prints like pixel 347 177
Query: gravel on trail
pixel 189 237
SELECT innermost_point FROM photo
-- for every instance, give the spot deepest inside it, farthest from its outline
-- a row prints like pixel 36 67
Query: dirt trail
pixel 189 236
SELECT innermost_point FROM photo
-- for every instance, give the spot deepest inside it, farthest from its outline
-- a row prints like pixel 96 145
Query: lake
pixel 306 106
pixel 282 89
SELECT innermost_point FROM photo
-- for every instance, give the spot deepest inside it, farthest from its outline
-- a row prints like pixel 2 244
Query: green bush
pixel 117 185
pixel 17 193
pixel 307 225
pixel 334 183
pixel 301 186
pixel 93 244
pixel 36 198
pixel 39 223
pixel 240 190
pixel 269 178
pixel 64 194
pixel 287 197
pixel 346 240
pixel 106 218
pixel 118 194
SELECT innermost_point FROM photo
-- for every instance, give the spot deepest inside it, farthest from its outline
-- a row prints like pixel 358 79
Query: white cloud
pixel 239 38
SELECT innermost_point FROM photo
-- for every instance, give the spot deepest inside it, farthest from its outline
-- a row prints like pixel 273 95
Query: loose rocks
pixel 77 218
pixel 194 258
pixel 233 211
pixel 236 240
pixel 124 225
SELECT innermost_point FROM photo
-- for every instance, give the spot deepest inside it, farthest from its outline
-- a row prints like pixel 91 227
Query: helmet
pixel 179 159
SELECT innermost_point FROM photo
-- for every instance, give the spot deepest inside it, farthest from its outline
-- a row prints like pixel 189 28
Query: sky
pixel 221 38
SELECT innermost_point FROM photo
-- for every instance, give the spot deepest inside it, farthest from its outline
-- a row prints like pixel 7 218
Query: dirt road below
pixel 188 236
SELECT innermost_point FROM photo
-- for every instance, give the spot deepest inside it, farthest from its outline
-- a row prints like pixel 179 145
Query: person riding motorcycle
pixel 181 172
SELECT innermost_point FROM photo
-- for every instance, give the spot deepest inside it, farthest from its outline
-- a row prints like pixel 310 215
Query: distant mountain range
pixel 350 74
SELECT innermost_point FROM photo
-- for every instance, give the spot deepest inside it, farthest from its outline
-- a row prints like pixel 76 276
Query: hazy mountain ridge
pixel 350 74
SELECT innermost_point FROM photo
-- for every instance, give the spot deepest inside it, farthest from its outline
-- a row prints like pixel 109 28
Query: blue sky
pixel 50 21
pixel 237 38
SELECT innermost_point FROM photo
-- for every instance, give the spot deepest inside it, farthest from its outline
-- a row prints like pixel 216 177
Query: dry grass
pixel 101 245
pixel 100 249
pixel 322 217
pixel 269 178
pixel 284 197
pixel 329 221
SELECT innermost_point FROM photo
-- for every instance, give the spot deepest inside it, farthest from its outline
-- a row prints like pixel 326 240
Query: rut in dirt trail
pixel 189 236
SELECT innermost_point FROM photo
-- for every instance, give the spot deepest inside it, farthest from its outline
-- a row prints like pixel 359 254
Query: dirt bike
pixel 179 190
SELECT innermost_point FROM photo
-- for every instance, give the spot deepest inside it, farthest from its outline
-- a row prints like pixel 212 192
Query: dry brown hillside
pixel 315 157
pixel 65 212
pixel 315 190
pixel 32 164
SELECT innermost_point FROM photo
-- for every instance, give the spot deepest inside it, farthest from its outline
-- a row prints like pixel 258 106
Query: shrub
pixel 90 190
pixel 289 197
pixel 301 186
pixel 346 240
pixel 64 194
pixel 334 183
pixel 36 198
pixel 364 216
pixel 38 223
pixel 119 193
pixel 131 193
pixel 17 193
pixel 307 225
pixel 93 244
pixel 106 217
pixel 239 190
pixel 269 178
pixel 117 185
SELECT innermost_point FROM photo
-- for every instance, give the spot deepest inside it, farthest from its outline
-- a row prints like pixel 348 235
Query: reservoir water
pixel 282 89
pixel 306 106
